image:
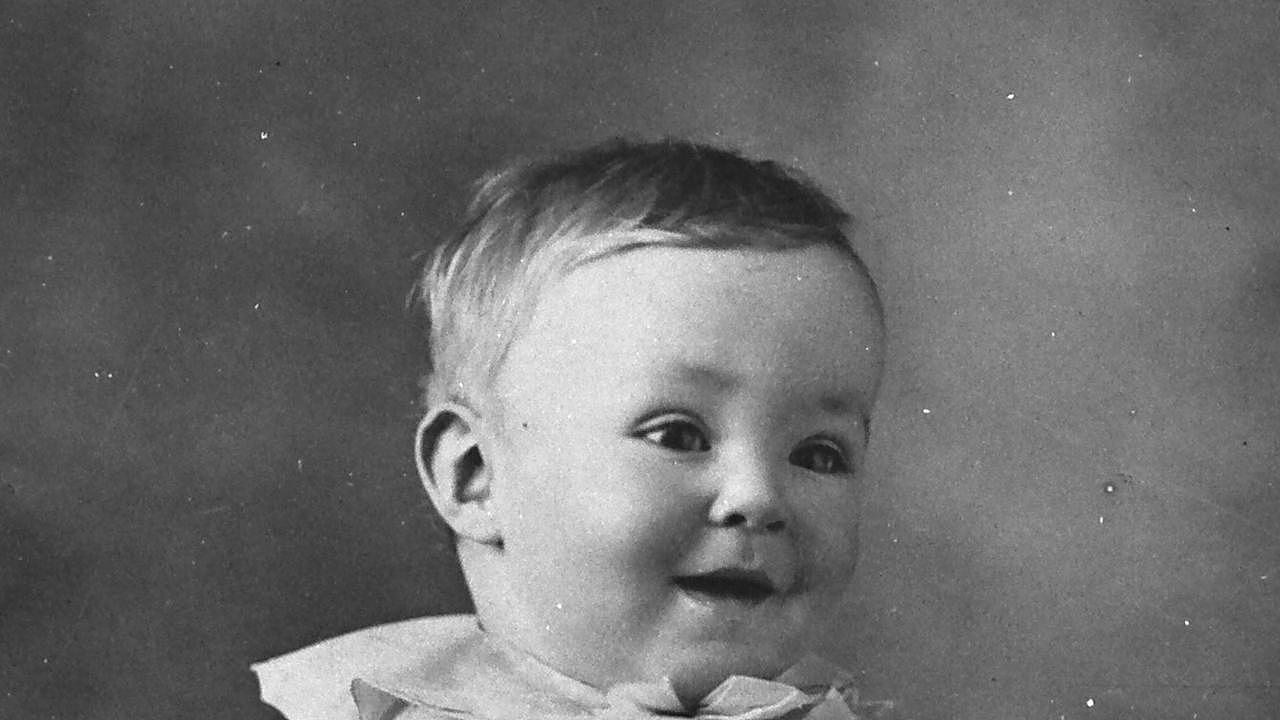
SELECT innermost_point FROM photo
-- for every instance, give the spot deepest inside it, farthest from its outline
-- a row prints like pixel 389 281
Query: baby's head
pixel 652 366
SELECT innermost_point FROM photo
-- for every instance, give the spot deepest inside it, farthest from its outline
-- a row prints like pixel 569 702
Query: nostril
pixel 739 520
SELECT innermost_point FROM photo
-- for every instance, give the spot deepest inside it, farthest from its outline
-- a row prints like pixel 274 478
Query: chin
pixel 697 674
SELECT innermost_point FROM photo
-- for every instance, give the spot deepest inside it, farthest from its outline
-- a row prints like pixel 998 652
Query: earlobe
pixel 453 469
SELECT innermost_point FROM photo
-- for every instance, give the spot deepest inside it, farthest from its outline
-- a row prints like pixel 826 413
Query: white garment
pixel 446 667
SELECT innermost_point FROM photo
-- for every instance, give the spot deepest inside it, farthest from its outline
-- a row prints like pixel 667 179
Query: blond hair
pixel 535 221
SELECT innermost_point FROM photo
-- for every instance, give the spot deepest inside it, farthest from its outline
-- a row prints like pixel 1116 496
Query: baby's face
pixel 676 475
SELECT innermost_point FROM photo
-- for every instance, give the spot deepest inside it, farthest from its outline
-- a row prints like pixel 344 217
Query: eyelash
pixel 661 433
pixel 837 459
pixel 686 436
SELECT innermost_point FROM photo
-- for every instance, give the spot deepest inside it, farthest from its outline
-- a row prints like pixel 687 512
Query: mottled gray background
pixel 208 212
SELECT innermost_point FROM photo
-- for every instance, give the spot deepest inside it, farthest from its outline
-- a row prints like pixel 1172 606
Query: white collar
pixel 448 663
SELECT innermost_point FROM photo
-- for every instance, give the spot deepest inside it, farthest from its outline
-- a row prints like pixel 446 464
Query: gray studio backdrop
pixel 208 214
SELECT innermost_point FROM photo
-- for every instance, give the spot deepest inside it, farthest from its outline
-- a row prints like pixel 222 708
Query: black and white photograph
pixel 864 360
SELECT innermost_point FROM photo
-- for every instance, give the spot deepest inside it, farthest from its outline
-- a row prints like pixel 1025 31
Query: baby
pixel 651 372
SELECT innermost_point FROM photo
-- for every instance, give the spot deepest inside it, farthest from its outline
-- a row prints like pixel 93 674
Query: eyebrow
pixel 848 405
pixel 703 375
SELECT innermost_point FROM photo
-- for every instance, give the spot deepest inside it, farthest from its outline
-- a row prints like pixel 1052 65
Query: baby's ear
pixel 453 469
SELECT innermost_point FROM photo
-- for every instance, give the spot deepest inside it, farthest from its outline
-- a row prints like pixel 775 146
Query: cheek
pixel 829 536
pixel 603 502
pixel 644 513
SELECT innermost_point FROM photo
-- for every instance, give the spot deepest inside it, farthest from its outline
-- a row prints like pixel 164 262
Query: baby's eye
pixel 820 456
pixel 677 435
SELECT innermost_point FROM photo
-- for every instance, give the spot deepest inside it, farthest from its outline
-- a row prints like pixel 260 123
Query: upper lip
pixel 733 581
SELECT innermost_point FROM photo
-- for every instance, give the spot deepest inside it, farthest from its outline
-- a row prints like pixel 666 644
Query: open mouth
pixel 741 586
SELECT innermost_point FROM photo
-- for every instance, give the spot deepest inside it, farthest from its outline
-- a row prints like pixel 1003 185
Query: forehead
pixel 803 317
pixel 787 276
pixel 695 286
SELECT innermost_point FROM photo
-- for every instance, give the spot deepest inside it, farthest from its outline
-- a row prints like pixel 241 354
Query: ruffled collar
pixel 448 666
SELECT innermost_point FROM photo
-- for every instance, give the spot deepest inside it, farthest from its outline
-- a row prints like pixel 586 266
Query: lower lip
pixel 721 600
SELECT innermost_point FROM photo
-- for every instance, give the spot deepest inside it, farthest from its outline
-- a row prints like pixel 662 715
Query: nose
pixel 748 497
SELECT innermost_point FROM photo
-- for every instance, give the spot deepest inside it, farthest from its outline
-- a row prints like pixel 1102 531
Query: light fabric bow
pixel 446 667
pixel 737 698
